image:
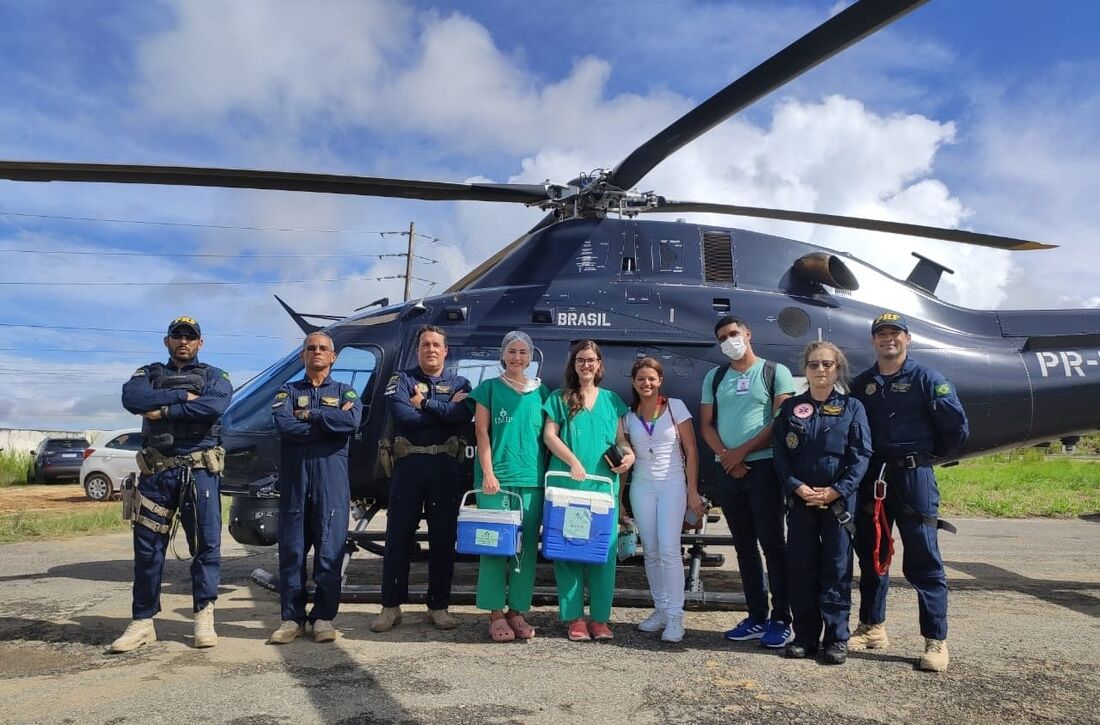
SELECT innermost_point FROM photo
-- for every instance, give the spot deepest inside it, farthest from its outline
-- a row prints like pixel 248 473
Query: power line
pixel 212 283
pixel 194 225
pixel 212 255
pixel 151 332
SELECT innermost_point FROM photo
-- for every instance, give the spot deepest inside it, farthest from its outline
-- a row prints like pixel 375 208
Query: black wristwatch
pixel 164 411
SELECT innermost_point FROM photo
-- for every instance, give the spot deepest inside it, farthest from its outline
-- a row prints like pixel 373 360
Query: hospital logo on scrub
pixel 502 417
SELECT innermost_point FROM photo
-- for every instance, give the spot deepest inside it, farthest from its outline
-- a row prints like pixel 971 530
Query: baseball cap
pixel 889 319
pixel 184 322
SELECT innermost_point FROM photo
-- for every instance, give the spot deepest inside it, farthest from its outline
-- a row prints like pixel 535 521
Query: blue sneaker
pixel 777 634
pixel 748 628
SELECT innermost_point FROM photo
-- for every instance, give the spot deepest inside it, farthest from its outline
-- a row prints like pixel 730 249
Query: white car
pixel 111 458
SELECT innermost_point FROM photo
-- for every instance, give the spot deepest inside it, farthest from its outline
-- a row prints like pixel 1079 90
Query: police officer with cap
pixel 427 405
pixel 916 420
pixel 315 416
pixel 181 403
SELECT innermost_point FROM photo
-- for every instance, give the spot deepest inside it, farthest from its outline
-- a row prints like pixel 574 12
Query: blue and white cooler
pixel 578 525
pixel 489 532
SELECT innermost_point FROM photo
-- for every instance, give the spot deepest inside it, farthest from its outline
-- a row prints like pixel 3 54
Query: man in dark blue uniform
pixel 315 416
pixel 916 419
pixel 181 404
pixel 427 405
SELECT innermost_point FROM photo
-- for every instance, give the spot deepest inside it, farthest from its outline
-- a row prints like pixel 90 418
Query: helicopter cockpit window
pixel 481 363
pixel 250 410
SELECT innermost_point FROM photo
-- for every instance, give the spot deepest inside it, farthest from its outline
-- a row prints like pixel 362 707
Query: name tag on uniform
pixel 742 386
pixel 900 387
pixel 326 400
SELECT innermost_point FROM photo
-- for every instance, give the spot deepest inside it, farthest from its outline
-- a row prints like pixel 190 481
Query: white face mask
pixel 733 348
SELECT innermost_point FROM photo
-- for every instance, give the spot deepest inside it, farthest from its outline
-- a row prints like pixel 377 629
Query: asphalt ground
pixel 1025 647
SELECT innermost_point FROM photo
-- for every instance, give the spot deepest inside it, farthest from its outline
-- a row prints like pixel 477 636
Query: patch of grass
pixel 31 525
pixel 13 467
pixel 1020 484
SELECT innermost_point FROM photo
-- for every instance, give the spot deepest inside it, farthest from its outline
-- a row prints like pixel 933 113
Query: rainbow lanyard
pixel 651 425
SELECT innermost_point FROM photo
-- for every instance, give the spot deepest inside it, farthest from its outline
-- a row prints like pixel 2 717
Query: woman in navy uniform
pixel 822 450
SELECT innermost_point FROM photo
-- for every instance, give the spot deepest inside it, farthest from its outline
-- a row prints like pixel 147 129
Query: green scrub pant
pixel 498 582
pixel 571 576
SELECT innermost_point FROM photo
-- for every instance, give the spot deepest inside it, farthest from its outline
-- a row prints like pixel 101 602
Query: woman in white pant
pixel 663 487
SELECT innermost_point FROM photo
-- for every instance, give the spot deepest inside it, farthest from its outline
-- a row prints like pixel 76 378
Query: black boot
pixel 797 650
pixel 836 653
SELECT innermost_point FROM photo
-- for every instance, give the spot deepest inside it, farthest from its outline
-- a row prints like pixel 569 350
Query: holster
pixel 133 502
pixel 386 456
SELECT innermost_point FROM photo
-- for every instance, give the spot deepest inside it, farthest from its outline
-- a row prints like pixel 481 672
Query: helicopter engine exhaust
pixel 824 268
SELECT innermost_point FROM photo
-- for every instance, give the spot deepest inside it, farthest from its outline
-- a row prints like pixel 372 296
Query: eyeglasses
pixel 318 348
pixel 187 336
pixel 823 364
pixel 583 361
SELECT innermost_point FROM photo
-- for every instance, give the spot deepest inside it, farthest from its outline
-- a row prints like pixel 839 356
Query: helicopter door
pixel 356 366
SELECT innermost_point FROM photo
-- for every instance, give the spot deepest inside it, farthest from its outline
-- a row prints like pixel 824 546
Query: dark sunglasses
pixel 318 348
pixel 823 364
pixel 189 337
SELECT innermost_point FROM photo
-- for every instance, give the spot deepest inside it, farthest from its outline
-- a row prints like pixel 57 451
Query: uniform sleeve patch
pixel 139 373
pixel 391 386
pixel 350 395
pixel 943 390
pixel 225 375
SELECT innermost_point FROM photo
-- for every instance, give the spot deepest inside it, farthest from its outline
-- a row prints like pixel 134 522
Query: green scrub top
pixel 588 433
pixel 515 433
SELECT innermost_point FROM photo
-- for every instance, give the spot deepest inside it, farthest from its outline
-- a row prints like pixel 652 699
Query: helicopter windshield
pixel 481 363
pixel 250 411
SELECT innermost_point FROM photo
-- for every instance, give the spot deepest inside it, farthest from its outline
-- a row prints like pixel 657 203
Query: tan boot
pixel 287 632
pixel 442 619
pixel 869 636
pixel 935 657
pixel 323 631
pixel 139 632
pixel 386 620
pixel 205 636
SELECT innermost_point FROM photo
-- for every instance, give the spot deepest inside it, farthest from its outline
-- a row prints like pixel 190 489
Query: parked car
pixel 110 458
pixel 56 459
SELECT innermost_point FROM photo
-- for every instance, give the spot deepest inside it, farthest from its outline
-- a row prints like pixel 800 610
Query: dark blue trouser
pixel 754 507
pixel 819 570
pixel 201 516
pixel 921 562
pixel 422 484
pixel 313 512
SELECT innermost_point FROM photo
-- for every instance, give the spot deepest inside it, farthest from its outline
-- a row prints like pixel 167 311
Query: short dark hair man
pixel 315 416
pixel 916 418
pixel 736 421
pixel 427 405
pixel 181 404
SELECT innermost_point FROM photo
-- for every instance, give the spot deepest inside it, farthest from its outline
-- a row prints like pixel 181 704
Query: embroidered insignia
pixel 442 388
pixel 832 409
pixel 900 387
pixel 803 410
pixel 792 441
pixel 303 401
pixel 391 386
pixel 139 373
pixel 871 389
pixel 282 395
pixel 225 375
pixel 350 394
pixel 943 390
pixel 329 400
pixel 422 387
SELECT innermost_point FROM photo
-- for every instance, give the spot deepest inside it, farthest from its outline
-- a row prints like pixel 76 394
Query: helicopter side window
pixel 481 363
pixel 355 366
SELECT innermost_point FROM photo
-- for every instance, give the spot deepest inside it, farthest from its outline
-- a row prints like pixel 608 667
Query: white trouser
pixel 659 513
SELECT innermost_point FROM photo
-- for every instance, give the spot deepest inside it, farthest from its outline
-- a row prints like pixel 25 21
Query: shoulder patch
pixel 139 373
pixel 391 385
pixel 225 375
pixel 282 395
pixel 943 390
pixel 350 395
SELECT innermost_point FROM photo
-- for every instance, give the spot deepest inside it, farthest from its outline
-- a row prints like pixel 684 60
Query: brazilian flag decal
pixel 943 390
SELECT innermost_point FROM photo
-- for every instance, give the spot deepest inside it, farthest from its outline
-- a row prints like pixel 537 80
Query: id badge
pixel 742 386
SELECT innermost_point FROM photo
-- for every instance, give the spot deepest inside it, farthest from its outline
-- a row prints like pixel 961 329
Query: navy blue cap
pixel 889 319
pixel 185 323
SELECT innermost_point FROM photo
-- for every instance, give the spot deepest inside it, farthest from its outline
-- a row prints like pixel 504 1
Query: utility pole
pixel 409 261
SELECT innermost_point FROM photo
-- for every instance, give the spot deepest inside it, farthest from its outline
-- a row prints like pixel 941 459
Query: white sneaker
pixel 674 631
pixel 655 622
pixel 138 632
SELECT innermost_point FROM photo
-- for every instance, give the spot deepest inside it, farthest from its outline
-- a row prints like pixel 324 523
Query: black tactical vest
pixel 165 435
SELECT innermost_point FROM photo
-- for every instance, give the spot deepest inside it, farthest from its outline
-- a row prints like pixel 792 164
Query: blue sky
pixel 981 114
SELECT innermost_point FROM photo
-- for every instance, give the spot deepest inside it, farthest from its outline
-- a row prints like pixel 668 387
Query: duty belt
pixel 451 447
pixel 911 460
pixel 151 461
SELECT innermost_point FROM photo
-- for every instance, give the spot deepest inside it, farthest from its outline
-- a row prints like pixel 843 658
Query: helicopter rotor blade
pixel 851 222
pixel 834 35
pixel 277 180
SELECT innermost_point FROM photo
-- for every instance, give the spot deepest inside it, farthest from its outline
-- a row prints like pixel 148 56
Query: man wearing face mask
pixel 738 406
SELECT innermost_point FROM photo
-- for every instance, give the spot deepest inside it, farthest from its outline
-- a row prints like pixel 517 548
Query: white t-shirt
pixel 658 457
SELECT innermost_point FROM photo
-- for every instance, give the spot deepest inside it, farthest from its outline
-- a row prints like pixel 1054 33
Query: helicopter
pixel 596 268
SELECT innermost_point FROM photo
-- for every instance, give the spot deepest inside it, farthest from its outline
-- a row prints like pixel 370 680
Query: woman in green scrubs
pixel 582 421
pixel 510 459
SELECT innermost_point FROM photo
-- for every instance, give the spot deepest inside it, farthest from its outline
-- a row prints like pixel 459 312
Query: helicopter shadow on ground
pixel 1073 595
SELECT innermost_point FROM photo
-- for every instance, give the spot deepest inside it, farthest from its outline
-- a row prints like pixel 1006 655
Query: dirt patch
pixel 48 497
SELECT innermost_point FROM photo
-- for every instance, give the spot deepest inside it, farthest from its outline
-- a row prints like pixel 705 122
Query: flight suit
pixel 423 479
pixel 820 444
pixel 916 418
pixel 314 497
pixel 187 427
